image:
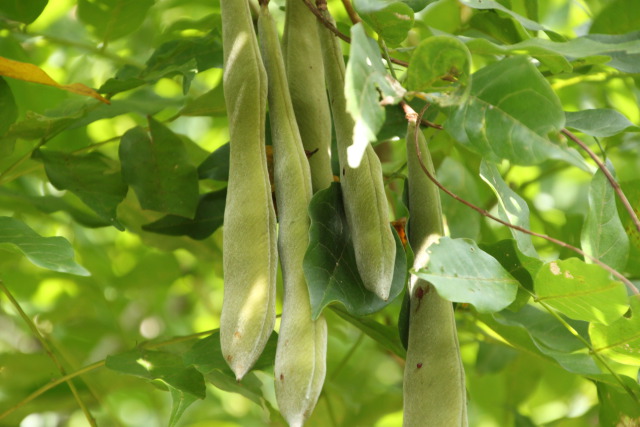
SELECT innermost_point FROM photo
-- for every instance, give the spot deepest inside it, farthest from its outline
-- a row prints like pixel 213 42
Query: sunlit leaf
pixel 617 17
pixel 581 291
pixel 53 253
pixel 461 272
pixel 112 19
pixel 392 20
pixel 621 339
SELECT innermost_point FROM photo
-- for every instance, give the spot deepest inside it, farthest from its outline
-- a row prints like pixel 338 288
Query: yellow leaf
pixel 32 73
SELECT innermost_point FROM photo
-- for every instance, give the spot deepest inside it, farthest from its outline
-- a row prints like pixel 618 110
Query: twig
pixel 612 180
pixel 48 349
pixel 353 15
pixel 407 109
pixel 483 212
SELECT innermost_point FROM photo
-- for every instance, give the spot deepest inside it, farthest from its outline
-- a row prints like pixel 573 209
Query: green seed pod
pixel 305 74
pixel 364 198
pixel 434 383
pixel 249 245
pixel 300 364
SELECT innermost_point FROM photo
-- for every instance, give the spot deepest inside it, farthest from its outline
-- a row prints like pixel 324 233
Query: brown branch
pixel 322 5
pixel 408 110
pixel 353 15
pixel 483 212
pixel 612 180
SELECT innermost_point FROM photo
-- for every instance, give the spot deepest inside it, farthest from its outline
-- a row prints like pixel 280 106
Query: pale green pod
pixel 434 384
pixel 249 244
pixel 363 193
pixel 300 364
pixel 305 75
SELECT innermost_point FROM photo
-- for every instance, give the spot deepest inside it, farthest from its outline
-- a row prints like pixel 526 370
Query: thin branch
pixel 49 350
pixel 483 212
pixel 612 180
pixel 353 15
pixel 424 122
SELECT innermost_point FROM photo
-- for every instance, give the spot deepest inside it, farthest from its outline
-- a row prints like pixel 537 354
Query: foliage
pixel 112 201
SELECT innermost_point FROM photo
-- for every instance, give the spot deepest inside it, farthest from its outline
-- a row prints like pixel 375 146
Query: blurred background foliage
pixel 150 288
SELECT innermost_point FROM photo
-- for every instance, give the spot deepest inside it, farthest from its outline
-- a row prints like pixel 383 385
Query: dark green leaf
pixel 600 122
pixel 159 365
pixel 441 64
pixel 617 408
pixel 158 169
pixel 112 19
pixel 417 5
pixel 330 264
pixel 603 235
pixel 392 20
pixel 461 272
pixel 53 253
pixel 22 11
pixel 510 114
pixel 581 291
pixel 94 178
pixel 366 80
pixel 386 336
pixel 490 4
pixel 216 165
pixel 209 217
pixel 7 106
pixel 511 207
pixel 621 339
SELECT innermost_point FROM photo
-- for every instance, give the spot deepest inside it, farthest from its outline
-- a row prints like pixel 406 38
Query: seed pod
pixel 305 74
pixel 364 198
pixel 434 383
pixel 300 364
pixel 249 245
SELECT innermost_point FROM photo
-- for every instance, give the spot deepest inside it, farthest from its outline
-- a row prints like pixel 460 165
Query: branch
pixel 353 15
pixel 49 350
pixel 612 180
pixel 483 212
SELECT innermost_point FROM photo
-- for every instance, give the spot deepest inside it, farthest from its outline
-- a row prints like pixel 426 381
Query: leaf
pixel 330 264
pixel 603 235
pixel 617 17
pixel 206 356
pixel 52 253
pixel 386 336
pixel 112 19
pixel 366 80
pixel 457 178
pixel 209 217
pixel 7 106
pixel 180 402
pixel 616 407
pixel 158 169
pixel 34 74
pixel 417 5
pixel 392 20
pixel 441 64
pixel 581 291
pixel 490 4
pixel 209 104
pixel 510 113
pixel 511 207
pixel 216 165
pixel 620 340
pixel 22 11
pixel 461 272
pixel 601 122
pixel 94 178
pixel 159 365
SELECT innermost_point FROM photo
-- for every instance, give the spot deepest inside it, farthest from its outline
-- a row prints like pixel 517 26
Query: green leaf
pixel 461 272
pixel 366 79
pixel 461 220
pixel 180 402
pixel 159 365
pixel 158 169
pixel 581 291
pixel 511 207
pixel 330 264
pixel 209 217
pixel 620 340
pixel 112 19
pixel 392 20
pixel 216 165
pixel 386 336
pixel 603 236
pixel 209 104
pixel 22 11
pixel 206 356
pixel 616 407
pixel 510 114
pixel 600 122
pixel 441 64
pixel 7 106
pixel 94 178
pixel 490 4
pixel 617 17
pixel 417 5
pixel 52 253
